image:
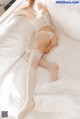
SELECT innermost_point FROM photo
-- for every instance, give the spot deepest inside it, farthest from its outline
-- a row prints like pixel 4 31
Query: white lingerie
pixel 38 23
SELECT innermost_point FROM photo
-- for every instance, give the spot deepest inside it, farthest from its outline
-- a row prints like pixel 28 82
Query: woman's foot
pixel 26 109
pixel 53 70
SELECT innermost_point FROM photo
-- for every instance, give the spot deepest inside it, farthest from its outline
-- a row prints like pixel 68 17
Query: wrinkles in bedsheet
pixel 53 100
pixel 14 38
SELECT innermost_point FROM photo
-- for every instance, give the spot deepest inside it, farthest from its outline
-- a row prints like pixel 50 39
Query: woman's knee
pixel 35 58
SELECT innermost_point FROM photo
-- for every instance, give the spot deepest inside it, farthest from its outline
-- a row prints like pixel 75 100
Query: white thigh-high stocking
pixel 31 82
pixel 31 77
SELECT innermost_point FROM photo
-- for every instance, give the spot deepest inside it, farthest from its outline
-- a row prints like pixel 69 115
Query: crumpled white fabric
pixel 53 100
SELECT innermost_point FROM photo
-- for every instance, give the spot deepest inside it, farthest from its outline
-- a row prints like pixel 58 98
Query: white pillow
pixel 65 17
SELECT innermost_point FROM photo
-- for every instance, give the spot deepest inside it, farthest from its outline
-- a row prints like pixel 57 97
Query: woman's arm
pixel 41 5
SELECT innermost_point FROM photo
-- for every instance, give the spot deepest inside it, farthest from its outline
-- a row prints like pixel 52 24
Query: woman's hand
pixel 19 10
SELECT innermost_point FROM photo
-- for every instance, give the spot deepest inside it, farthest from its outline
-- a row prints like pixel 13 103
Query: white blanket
pixel 53 100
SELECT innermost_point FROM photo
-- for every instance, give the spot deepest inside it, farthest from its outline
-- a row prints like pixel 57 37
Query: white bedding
pixel 54 100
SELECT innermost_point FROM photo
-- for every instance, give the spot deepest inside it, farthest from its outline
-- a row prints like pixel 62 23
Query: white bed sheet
pixel 54 100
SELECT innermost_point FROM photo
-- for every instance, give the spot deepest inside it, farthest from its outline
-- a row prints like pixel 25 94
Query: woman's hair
pixel 31 2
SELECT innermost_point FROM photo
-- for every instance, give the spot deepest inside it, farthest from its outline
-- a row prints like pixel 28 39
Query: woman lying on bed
pixel 45 39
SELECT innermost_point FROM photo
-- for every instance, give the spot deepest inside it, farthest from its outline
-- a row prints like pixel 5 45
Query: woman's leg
pixel 34 61
pixel 35 57
pixel 31 82
pixel 52 68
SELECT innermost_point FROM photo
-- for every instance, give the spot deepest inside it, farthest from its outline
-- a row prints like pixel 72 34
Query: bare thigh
pixel 42 41
pixel 52 44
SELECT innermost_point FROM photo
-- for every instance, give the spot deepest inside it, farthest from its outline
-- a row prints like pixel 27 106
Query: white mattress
pixel 54 100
